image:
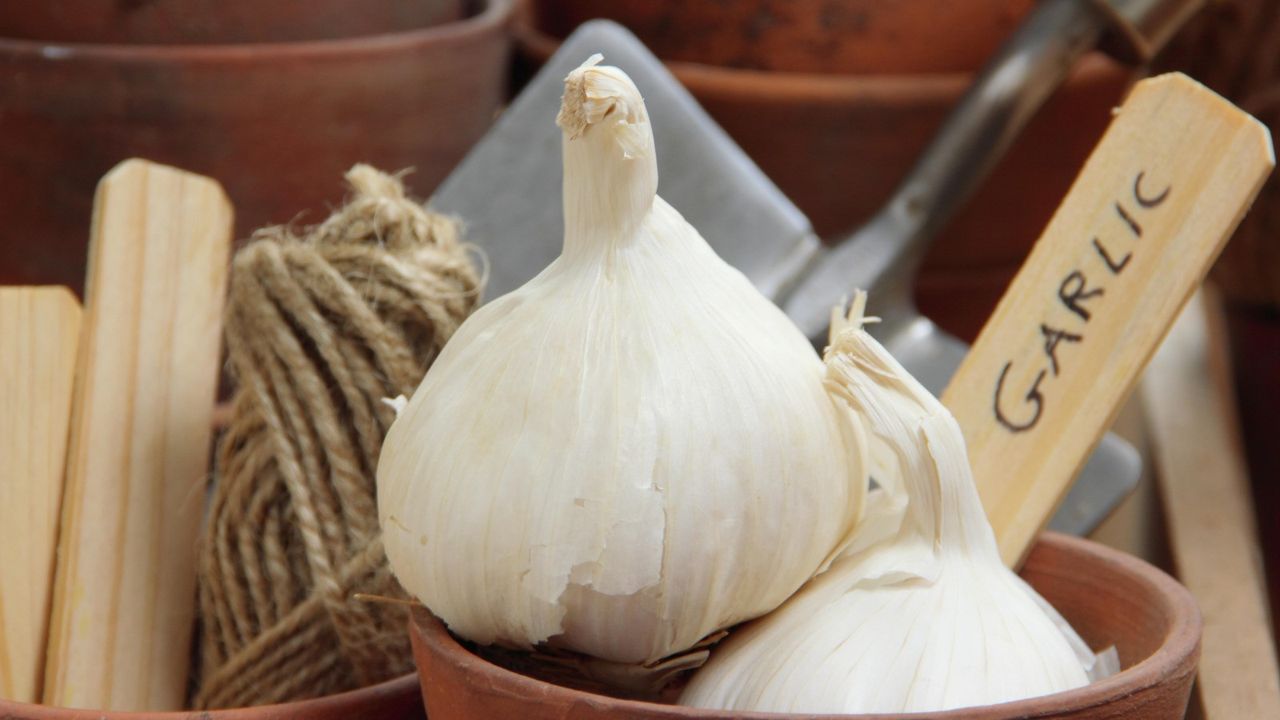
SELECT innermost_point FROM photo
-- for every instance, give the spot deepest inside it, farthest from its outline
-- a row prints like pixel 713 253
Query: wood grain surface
pixel 139 450
pixel 1195 438
pixel 39 331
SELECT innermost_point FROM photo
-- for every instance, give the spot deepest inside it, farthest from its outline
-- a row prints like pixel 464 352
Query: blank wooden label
pixel 39 330
pixel 1149 213
pixel 124 598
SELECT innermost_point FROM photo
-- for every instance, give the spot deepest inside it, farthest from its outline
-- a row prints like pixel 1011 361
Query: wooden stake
pixel 39 330
pixel 148 368
pixel 1189 400
pixel 1136 234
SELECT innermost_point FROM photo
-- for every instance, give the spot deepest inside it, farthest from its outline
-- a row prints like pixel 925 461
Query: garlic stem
pixel 610 168
pixel 944 507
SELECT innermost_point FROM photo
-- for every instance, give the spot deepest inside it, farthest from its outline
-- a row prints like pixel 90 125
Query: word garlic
pixel 928 620
pixel 631 451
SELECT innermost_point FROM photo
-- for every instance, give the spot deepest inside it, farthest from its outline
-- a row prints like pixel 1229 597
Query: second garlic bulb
pixel 928 619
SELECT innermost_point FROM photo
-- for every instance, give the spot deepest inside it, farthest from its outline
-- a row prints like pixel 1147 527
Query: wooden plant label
pixel 1147 216
pixel 39 330
pixel 124 598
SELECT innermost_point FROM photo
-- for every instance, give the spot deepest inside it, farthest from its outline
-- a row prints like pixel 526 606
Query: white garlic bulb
pixel 632 450
pixel 928 620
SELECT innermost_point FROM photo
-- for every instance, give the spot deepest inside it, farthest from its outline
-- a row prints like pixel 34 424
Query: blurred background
pixel 833 99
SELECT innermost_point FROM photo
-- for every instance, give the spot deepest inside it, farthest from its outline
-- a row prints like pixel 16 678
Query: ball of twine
pixel 320 328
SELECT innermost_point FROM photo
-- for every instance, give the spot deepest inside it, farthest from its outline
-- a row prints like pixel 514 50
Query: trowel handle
pixel 883 254
pixel 1015 83
pixel 1141 28
pixel 1013 86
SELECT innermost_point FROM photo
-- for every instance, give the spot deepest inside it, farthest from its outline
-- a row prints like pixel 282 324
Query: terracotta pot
pixel 276 123
pixel 163 22
pixel 838 143
pixel 1233 47
pixel 1110 598
pixel 398 699
pixel 829 36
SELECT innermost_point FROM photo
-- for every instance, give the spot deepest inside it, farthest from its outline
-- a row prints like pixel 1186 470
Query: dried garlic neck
pixel 610 168
pixel 944 509
pixel 927 620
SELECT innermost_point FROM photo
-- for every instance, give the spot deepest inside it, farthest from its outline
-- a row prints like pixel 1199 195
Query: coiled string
pixel 320 328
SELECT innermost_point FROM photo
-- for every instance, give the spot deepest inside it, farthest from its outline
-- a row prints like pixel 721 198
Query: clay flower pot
pixel 277 123
pixel 1109 597
pixel 836 100
pixel 217 22
pixel 848 37
pixel 398 699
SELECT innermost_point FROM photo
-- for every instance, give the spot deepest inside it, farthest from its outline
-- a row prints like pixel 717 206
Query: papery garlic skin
pixel 928 620
pixel 632 450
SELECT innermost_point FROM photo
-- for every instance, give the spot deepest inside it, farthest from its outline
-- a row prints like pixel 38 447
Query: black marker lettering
pixel 1072 296
pixel 1133 224
pixel 1074 292
pixel 1145 201
pixel 1033 397
pixel 1112 265
pixel 1053 336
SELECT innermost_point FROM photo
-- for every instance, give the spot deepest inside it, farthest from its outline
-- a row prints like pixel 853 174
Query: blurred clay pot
pixel 847 37
pixel 1233 47
pixel 1254 335
pixel 837 119
pixel 398 699
pixel 218 22
pixel 1109 597
pixel 276 123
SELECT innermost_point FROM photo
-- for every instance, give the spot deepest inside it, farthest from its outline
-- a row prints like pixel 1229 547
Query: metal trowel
pixel 507 190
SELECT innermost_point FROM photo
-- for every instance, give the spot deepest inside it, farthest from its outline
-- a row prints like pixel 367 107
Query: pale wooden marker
pixel 1189 399
pixel 1147 216
pixel 124 599
pixel 39 330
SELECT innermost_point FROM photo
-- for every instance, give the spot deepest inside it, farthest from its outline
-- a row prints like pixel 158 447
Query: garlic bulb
pixel 928 620
pixel 632 450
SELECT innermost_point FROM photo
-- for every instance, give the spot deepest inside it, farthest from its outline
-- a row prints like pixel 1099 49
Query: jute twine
pixel 320 328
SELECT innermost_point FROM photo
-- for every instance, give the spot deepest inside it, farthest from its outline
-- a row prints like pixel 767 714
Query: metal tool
pixel 508 191
pixel 886 252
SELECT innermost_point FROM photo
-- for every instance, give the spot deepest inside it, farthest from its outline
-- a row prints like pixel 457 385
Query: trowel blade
pixel 507 190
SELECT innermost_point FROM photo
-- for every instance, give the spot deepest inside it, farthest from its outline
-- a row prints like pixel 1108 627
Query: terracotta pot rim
pixel 1182 641
pixel 494 14
pixel 787 88
pixel 298 708
pixel 783 86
